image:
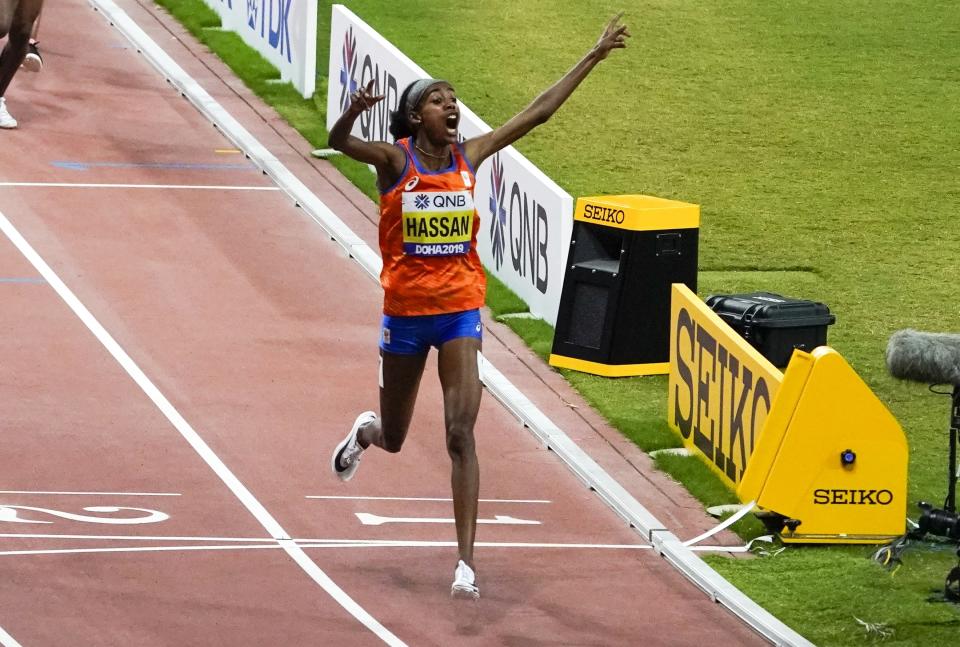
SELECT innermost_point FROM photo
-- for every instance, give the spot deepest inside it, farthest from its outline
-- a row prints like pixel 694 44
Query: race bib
pixel 437 223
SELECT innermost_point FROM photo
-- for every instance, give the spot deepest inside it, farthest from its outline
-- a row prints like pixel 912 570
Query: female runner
pixel 432 278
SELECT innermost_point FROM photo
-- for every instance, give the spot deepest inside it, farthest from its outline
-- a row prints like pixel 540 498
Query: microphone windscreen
pixel 932 358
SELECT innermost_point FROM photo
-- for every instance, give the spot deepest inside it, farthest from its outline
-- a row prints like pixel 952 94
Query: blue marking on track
pixel 22 279
pixel 83 166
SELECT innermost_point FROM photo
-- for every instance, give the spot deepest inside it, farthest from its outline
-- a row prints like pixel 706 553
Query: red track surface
pixel 262 334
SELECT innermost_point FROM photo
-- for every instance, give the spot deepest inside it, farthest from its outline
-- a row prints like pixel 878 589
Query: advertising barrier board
pixel 283 31
pixel 720 387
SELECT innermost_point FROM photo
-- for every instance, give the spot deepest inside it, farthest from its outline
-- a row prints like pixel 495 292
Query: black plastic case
pixel 773 324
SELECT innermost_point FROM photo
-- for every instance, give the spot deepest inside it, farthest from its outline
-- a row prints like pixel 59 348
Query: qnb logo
pixel 253 10
pixel 348 69
pixel 498 220
pixel 357 70
pixel 520 226
pixel 421 201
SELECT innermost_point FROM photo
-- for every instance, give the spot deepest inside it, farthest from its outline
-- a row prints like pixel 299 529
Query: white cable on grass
pixel 732 519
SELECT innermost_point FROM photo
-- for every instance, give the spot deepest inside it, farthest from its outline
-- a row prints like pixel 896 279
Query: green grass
pixel 821 140
pixel 839 586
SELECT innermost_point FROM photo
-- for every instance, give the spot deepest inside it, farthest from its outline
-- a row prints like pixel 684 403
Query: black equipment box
pixel 625 253
pixel 775 325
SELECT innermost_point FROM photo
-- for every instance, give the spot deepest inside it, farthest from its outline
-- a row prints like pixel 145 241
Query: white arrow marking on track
pixel 368 519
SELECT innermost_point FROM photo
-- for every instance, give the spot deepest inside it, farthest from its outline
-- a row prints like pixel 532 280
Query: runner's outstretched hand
pixel 613 37
pixel 479 148
pixel 364 99
pixel 387 158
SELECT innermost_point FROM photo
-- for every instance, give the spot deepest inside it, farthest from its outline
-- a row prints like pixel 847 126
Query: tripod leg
pixel 951 503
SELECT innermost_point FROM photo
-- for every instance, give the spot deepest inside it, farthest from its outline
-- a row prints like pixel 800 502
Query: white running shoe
pixel 33 62
pixel 346 456
pixel 464 583
pixel 6 121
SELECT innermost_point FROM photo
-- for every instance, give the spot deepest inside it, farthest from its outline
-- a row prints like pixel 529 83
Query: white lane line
pixel 309 541
pixel 129 549
pixel 36 535
pixel 6 640
pixel 317 543
pixel 368 519
pixel 400 543
pixel 93 493
pixel 88 185
pixel 241 543
pixel 272 526
pixel 414 498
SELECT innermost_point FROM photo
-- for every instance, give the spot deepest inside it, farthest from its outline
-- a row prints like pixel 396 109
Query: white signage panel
pixel 283 31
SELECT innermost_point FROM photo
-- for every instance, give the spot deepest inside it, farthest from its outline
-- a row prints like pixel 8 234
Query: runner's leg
pixel 36 26
pixel 7 7
pixel 33 62
pixel 460 380
pixel 399 383
pixel 20 24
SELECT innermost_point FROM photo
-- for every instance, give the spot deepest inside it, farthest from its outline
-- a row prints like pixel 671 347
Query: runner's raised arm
pixel 542 108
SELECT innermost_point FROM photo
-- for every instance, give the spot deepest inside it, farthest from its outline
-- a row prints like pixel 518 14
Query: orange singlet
pixel 428 240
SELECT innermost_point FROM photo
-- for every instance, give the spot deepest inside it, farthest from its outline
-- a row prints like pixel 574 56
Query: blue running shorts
pixel 415 335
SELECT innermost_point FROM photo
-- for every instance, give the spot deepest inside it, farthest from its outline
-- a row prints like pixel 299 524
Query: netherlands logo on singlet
pixel 437 223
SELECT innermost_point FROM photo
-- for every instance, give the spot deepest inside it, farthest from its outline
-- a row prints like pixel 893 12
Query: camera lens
pixel 940 522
